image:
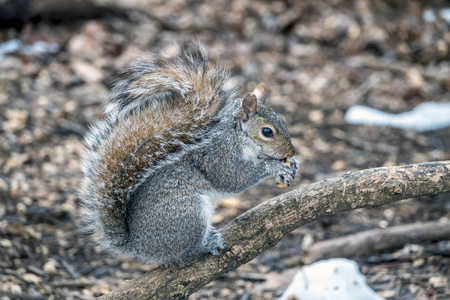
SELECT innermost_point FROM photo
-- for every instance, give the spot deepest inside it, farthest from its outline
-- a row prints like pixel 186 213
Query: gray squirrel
pixel 173 140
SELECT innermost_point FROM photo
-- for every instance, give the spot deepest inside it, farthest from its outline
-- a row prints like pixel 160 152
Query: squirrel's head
pixel 264 127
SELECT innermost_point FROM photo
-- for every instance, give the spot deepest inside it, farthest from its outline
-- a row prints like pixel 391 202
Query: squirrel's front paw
pixel 284 172
pixel 294 165
pixel 214 241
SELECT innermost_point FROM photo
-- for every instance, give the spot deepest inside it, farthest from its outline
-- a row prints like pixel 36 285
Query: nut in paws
pixel 284 176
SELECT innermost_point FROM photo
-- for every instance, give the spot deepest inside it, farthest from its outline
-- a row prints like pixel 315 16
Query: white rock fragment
pixel 37 48
pixel 424 117
pixel 429 16
pixel 445 14
pixel 438 282
pixel 17 119
pixel 50 267
pixel 332 279
pixel 5 243
pixel 87 72
pixel 31 278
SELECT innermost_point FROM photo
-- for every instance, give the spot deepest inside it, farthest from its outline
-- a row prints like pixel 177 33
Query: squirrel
pixel 174 140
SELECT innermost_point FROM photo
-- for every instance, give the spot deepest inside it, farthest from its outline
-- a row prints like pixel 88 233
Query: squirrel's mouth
pixel 265 156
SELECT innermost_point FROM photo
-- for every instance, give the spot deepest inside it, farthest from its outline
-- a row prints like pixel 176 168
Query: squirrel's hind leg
pixel 213 242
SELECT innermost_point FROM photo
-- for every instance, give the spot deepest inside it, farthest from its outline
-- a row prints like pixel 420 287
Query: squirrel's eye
pixel 267 132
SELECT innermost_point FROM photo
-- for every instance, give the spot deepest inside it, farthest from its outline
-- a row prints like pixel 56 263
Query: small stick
pixel 368 242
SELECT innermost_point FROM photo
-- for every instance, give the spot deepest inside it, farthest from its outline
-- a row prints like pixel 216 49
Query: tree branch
pixel 368 242
pixel 263 226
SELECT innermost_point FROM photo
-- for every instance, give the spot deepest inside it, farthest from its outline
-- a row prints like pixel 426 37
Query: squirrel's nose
pixel 290 151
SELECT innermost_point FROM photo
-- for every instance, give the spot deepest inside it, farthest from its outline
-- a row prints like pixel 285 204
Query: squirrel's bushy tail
pixel 161 108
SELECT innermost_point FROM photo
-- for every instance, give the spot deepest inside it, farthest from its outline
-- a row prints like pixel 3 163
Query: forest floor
pixel 318 58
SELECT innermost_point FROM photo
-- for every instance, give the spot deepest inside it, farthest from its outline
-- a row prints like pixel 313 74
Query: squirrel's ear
pixel 260 92
pixel 248 107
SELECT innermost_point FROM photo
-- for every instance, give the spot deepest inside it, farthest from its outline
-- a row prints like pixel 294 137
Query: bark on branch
pixel 263 226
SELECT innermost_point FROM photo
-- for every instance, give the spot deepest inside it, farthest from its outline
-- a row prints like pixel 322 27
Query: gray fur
pixel 167 216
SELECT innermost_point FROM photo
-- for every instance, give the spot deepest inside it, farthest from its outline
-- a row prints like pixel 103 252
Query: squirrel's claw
pixel 214 241
pixel 294 166
pixel 284 174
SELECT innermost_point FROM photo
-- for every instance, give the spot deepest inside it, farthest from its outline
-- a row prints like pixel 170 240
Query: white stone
pixel 332 279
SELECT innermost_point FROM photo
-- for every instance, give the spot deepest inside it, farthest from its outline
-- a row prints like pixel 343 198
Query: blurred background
pixel 58 60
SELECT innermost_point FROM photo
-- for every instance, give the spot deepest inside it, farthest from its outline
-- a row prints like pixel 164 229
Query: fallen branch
pixel 371 241
pixel 24 10
pixel 21 296
pixel 263 226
